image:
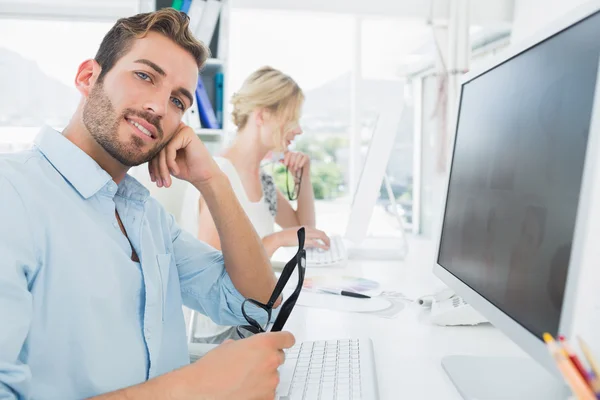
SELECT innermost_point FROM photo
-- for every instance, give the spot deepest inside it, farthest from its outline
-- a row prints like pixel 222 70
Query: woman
pixel 266 111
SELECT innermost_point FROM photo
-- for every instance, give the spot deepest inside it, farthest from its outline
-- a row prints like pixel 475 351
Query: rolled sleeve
pixel 17 263
pixel 205 285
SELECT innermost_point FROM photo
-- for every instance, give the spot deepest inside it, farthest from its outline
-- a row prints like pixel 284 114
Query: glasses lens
pixel 257 316
pixel 290 187
pixel 246 331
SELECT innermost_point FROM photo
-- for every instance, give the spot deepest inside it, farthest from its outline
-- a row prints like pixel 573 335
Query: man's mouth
pixel 143 126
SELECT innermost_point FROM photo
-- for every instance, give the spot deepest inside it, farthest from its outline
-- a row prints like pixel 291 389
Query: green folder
pixel 177 4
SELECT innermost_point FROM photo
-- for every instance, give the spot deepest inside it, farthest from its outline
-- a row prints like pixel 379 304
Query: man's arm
pixel 187 158
pixel 17 263
pixel 220 374
pixel 245 258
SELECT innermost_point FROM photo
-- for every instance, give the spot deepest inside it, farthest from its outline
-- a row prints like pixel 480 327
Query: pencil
pixel 573 357
pixel 588 355
pixel 595 373
pixel 578 385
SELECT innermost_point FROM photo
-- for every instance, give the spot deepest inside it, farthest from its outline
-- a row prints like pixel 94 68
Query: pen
pixel 570 374
pixel 344 293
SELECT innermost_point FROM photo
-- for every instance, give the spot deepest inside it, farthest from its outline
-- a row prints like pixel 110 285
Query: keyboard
pixel 341 369
pixel 336 254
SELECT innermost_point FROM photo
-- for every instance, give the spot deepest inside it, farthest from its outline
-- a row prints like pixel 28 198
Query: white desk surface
pixel 408 349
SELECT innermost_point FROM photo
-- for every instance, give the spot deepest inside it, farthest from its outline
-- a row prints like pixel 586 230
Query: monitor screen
pixel 516 175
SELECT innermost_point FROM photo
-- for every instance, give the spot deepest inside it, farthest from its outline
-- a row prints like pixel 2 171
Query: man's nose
pixel 158 104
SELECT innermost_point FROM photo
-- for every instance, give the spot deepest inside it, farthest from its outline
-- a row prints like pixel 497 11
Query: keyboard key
pixel 324 370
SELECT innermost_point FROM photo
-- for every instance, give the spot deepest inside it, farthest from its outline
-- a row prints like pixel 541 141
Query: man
pixel 93 272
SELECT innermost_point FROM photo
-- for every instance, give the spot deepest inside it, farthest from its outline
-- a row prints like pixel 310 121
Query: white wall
pixel 532 15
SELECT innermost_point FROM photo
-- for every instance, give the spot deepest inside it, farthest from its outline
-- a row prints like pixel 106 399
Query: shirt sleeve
pixel 205 285
pixel 17 261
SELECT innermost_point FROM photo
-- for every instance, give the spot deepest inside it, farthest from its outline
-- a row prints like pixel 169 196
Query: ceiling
pixel 482 12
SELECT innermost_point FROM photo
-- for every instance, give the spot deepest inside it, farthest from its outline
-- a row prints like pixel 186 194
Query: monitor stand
pixel 383 248
pixel 495 378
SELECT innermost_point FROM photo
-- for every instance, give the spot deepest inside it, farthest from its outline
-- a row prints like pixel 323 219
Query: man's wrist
pixel 208 186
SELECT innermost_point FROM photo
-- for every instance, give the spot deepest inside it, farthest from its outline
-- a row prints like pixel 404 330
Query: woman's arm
pixel 207 232
pixel 305 214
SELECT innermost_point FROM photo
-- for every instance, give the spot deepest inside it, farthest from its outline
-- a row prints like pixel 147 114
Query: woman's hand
pixel 314 238
pixel 296 161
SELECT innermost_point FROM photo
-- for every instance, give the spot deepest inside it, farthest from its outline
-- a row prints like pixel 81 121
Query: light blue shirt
pixel 77 316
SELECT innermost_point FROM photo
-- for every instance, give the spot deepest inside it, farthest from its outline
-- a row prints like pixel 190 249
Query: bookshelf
pixel 215 65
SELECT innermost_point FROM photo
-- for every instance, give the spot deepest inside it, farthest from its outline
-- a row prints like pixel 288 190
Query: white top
pixel 260 214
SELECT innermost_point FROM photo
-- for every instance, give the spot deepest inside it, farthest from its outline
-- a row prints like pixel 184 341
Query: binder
pixel 219 98
pixel 177 4
pixel 210 15
pixel 208 118
pixel 192 117
pixel 195 14
pixel 185 6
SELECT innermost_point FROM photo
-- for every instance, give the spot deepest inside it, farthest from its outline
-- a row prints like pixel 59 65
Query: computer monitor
pixel 515 225
pixel 374 168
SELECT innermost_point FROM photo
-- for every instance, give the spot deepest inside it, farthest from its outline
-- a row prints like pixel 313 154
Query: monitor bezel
pixel 529 342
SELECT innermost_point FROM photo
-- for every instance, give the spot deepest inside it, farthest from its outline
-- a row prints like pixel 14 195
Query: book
pixel 210 15
pixel 177 4
pixel 192 117
pixel 185 6
pixel 219 98
pixel 208 118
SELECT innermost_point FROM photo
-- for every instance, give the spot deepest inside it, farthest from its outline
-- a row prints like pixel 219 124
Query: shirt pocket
pixel 164 266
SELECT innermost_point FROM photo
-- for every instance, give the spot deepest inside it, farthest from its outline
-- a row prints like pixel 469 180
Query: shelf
pixel 213 61
pixel 210 135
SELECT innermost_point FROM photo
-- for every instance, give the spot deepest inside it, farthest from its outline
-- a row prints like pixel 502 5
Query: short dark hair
pixel 167 21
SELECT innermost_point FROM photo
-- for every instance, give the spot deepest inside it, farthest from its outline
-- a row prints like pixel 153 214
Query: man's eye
pixel 178 103
pixel 143 76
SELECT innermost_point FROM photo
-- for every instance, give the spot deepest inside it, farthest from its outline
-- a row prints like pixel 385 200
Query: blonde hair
pixel 270 89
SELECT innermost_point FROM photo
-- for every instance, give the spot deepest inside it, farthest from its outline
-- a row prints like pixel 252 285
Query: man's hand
pixel 185 157
pixel 246 369
pixel 243 369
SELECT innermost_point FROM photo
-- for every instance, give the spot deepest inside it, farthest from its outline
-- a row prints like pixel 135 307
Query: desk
pixel 408 349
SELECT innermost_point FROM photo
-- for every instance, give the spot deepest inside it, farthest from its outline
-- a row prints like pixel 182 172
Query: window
pixel 38 63
pixel 390 48
pixel 319 51
pixel 316 50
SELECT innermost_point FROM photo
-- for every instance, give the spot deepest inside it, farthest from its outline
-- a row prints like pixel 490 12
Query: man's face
pixel 137 108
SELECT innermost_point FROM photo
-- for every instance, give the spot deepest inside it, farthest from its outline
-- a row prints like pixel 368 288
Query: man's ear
pixel 87 75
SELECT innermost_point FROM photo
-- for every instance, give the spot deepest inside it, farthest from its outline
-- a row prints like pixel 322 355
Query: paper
pixel 342 303
pixel 349 283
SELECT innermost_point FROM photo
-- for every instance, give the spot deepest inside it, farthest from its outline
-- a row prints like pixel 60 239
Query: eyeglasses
pixel 293 192
pixel 293 195
pixel 251 306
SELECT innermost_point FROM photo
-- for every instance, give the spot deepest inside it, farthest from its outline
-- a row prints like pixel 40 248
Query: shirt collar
pixel 81 171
